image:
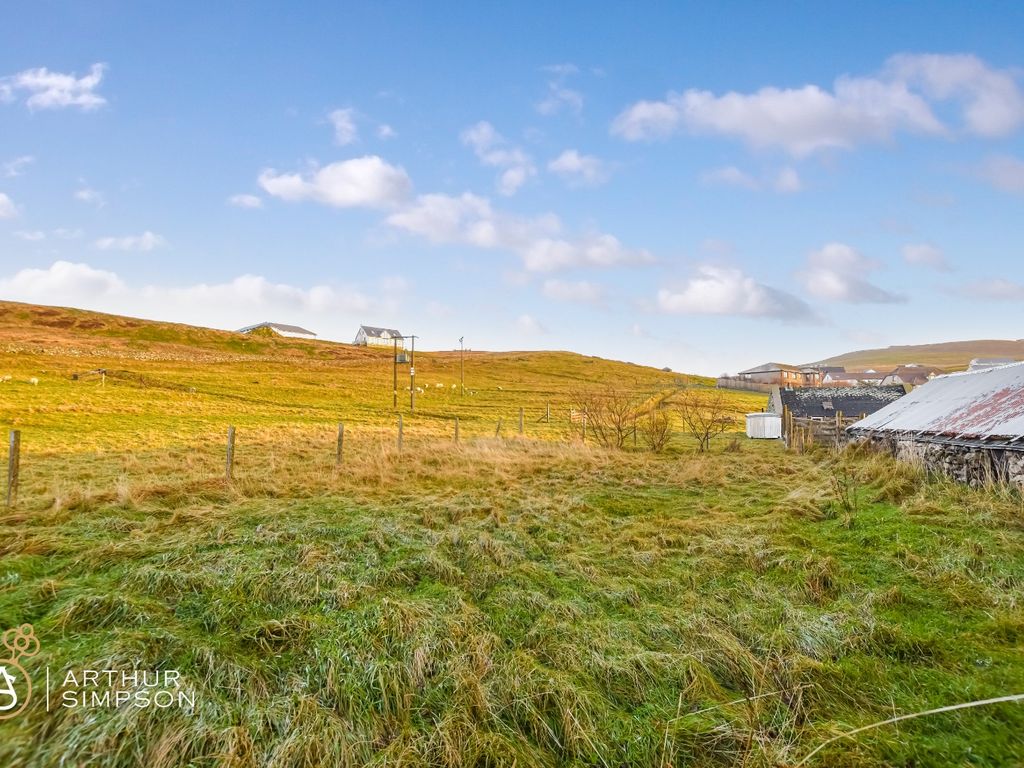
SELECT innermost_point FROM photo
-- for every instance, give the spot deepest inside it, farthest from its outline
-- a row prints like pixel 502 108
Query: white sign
pixel 412 371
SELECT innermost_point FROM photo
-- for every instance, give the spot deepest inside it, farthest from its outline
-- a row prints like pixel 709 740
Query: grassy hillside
pixel 527 601
pixel 169 384
pixel 952 355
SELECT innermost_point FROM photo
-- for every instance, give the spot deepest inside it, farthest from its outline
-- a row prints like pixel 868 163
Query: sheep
pixel 33 381
pixel 438 386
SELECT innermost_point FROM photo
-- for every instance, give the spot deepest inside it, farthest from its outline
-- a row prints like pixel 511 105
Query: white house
pixel 292 331
pixel 369 336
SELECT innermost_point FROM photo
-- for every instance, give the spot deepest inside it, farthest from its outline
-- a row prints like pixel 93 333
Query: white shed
pixel 764 426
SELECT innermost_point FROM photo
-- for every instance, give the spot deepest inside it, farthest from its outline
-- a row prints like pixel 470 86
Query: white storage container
pixel 764 426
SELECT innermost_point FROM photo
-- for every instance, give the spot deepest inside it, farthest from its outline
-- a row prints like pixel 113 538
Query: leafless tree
pixel 705 414
pixel 610 413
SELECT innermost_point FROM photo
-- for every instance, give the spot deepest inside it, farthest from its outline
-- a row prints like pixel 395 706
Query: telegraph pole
pixel 462 365
pixel 412 375
pixel 394 372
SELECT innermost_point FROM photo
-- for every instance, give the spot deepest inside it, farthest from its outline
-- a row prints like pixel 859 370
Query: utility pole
pixel 412 375
pixel 394 372
pixel 462 365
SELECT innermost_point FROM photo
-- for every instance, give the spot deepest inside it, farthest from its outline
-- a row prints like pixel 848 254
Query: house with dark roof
pixel 826 402
pixel 372 336
pixel 280 329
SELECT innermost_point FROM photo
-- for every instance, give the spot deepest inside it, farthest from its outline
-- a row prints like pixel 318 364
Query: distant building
pixel 781 374
pixel 826 402
pixel 912 375
pixel 845 378
pixel 371 336
pixel 981 363
pixel 292 331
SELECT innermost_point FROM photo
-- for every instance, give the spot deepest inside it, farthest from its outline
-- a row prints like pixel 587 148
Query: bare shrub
pixel 653 429
pixel 705 414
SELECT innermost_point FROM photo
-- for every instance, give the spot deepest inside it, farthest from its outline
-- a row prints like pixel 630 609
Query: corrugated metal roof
pixel 976 404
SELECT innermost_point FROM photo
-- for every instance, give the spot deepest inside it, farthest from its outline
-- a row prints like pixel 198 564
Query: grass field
pixel 529 601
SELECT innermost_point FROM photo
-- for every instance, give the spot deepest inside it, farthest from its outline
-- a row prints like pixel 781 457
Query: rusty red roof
pixel 975 405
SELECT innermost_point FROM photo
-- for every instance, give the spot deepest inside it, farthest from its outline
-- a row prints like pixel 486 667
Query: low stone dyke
pixel 972 465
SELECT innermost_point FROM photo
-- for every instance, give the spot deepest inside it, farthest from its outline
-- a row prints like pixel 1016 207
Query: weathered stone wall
pixel 972 466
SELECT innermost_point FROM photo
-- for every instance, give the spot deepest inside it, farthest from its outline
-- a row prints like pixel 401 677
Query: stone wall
pixel 970 465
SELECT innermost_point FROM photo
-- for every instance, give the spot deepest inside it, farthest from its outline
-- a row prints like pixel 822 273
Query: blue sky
pixel 703 187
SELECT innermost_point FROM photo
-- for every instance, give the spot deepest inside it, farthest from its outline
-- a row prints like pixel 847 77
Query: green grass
pixel 526 601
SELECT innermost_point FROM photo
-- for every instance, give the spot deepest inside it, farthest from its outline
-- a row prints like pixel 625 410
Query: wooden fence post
pixel 456 429
pixel 584 427
pixel 400 430
pixel 229 460
pixel 497 432
pixel 341 445
pixel 547 413
pixel 13 467
pixel 520 420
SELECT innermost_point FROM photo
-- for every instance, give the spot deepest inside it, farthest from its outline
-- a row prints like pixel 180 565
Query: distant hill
pixel 951 355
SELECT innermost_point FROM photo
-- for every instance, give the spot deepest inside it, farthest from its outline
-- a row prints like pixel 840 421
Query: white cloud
pixel 559 96
pixel 992 102
pixel 925 255
pixel 90 196
pixel 730 176
pixel 228 304
pixel 728 291
pixel 809 118
pixel 785 181
pixel 576 168
pixel 344 122
pixel 529 325
pixel 838 272
pixel 147 241
pixel 788 181
pixel 492 149
pixel 997 289
pixel 37 235
pixel 385 131
pixel 245 201
pixel 1003 172
pixel 8 210
pixel 582 291
pixel 561 70
pixel 54 90
pixel 361 182
pixel 16 167
pixel 257 293
pixel 471 220
pixel 63 281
